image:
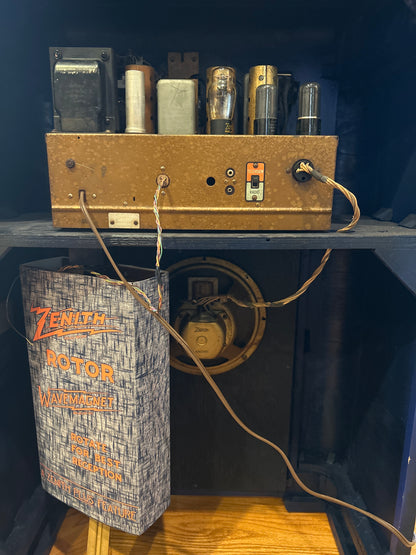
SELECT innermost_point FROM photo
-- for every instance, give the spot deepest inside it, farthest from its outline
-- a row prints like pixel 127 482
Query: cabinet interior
pixel 333 379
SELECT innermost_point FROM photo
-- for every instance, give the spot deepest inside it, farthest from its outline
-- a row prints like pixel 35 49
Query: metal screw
pixel 255 165
pixel 104 56
pixel 112 222
pixel 70 163
pixel 70 195
pixel 234 181
pixel 58 54
pixel 162 168
pixel 107 121
pixel 163 180
pixel 125 203
pixel 261 77
pixel 254 197
pixel 226 181
pixel 94 195
pixel 288 170
pixel 136 222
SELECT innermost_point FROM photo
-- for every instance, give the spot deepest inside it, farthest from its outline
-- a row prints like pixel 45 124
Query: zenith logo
pixel 69 322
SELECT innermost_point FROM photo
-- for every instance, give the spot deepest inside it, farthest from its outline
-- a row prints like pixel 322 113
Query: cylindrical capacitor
pixel 221 100
pixel 259 75
pixel 150 95
pixel 309 116
pixel 265 122
pixel 135 101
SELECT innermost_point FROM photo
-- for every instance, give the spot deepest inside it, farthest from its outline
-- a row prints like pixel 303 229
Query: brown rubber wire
pixel 220 395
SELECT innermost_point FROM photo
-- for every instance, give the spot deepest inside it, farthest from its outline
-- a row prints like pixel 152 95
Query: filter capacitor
pixel 135 101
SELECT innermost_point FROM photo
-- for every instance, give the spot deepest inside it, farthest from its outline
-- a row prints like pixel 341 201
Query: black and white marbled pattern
pixel 133 489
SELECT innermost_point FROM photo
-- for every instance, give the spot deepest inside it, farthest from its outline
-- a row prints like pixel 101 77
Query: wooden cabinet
pixel 344 355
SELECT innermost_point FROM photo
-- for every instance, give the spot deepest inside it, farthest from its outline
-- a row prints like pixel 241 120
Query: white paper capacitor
pixel 176 107
pixel 135 101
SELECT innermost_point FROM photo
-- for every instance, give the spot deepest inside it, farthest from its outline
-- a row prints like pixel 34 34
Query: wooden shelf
pixel 202 525
pixel 369 234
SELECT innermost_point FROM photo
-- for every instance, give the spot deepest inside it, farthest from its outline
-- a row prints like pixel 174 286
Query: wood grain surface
pixel 369 234
pixel 200 525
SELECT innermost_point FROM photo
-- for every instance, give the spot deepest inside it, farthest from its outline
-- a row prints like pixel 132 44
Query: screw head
pixel 70 163
pixel 104 56
pixel 94 195
pixel 70 195
pixel 58 54
pixel 163 180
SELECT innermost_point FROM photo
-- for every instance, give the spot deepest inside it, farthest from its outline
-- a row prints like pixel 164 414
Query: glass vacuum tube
pixel 221 100
pixel 265 122
pixel 309 117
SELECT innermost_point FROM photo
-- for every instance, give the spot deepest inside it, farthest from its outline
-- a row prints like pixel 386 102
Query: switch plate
pixel 255 175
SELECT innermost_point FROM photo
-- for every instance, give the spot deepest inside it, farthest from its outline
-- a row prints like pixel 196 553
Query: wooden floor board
pixel 202 525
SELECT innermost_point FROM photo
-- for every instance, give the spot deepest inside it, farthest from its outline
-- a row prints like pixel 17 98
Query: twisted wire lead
pixel 282 302
pixel 117 282
pixel 159 247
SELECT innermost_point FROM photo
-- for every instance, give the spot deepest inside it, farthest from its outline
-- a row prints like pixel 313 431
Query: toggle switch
pixel 255 181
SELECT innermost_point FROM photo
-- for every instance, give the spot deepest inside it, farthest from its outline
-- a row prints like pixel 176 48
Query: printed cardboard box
pixel 99 366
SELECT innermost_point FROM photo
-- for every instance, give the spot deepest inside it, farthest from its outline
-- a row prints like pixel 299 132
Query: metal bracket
pixel 183 65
